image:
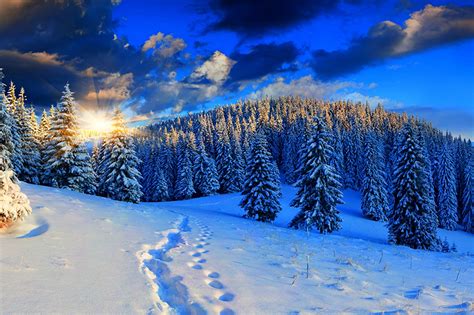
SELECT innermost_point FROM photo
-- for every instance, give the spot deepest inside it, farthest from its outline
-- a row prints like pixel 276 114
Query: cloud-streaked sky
pixel 159 58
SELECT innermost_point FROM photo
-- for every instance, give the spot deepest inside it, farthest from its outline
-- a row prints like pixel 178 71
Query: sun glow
pixel 100 125
pixel 95 123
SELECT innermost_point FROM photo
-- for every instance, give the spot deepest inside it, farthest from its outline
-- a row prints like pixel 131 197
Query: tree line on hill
pixel 410 175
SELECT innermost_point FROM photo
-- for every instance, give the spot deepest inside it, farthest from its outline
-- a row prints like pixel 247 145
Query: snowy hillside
pixel 92 255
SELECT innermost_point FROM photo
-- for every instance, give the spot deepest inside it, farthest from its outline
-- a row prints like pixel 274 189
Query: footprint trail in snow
pixel 211 278
pixel 170 295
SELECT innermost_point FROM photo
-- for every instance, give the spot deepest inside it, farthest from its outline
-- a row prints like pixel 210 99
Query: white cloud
pixel 215 69
pixel 305 87
pixel 436 24
pixel 163 45
pixel 372 100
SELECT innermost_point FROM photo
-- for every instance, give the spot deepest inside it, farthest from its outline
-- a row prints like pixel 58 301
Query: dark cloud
pixel 79 37
pixel 43 75
pixel 255 18
pixel 263 59
pixel 433 26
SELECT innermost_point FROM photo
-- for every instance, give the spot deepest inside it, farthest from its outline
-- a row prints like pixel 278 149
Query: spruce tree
pixel 468 195
pixel 319 187
pixel 43 128
pixel 225 162
pixel 412 221
pixel 205 173
pixel 67 162
pixel 350 161
pixel 82 177
pixel 184 183
pixel 238 159
pixel 7 146
pixel 29 144
pixel 262 186
pixel 95 158
pixel 11 99
pixel 160 191
pixel 147 168
pixel 447 190
pixel 14 205
pixel 374 202
pixel 119 178
pixel 17 154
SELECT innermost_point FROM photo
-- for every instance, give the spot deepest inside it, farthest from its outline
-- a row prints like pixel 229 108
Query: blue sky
pixel 158 58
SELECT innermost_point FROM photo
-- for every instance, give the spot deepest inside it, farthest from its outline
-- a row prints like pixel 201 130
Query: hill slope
pixel 89 254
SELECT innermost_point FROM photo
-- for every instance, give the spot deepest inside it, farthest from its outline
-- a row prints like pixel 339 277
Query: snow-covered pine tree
pixel 33 123
pixel 102 160
pixel 43 137
pixel 119 178
pixel 205 173
pixel 430 204
pixel 160 191
pixel 11 99
pixel 17 154
pixel 7 146
pixel 447 207
pixel 350 160
pixel 43 128
pixel 29 143
pixel 184 182
pixel 146 153
pixel 459 159
pixel 224 160
pixel 295 138
pixel 82 177
pixel 318 186
pixel 168 162
pixel 155 186
pixel 338 159
pixel 67 163
pixel 412 221
pixel 95 158
pixel 237 156
pixel 14 205
pixel 262 186
pixel 374 202
pixel 52 112
pixel 468 194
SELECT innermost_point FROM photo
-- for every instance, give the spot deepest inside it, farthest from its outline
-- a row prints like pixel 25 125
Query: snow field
pixel 86 254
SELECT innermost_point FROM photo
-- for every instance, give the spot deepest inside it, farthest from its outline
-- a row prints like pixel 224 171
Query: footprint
pixel 214 275
pixel 227 311
pixel 196 254
pixel 197 267
pixel 216 284
pixel 198 246
pixel 227 297
pixel 60 262
pixel 413 294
